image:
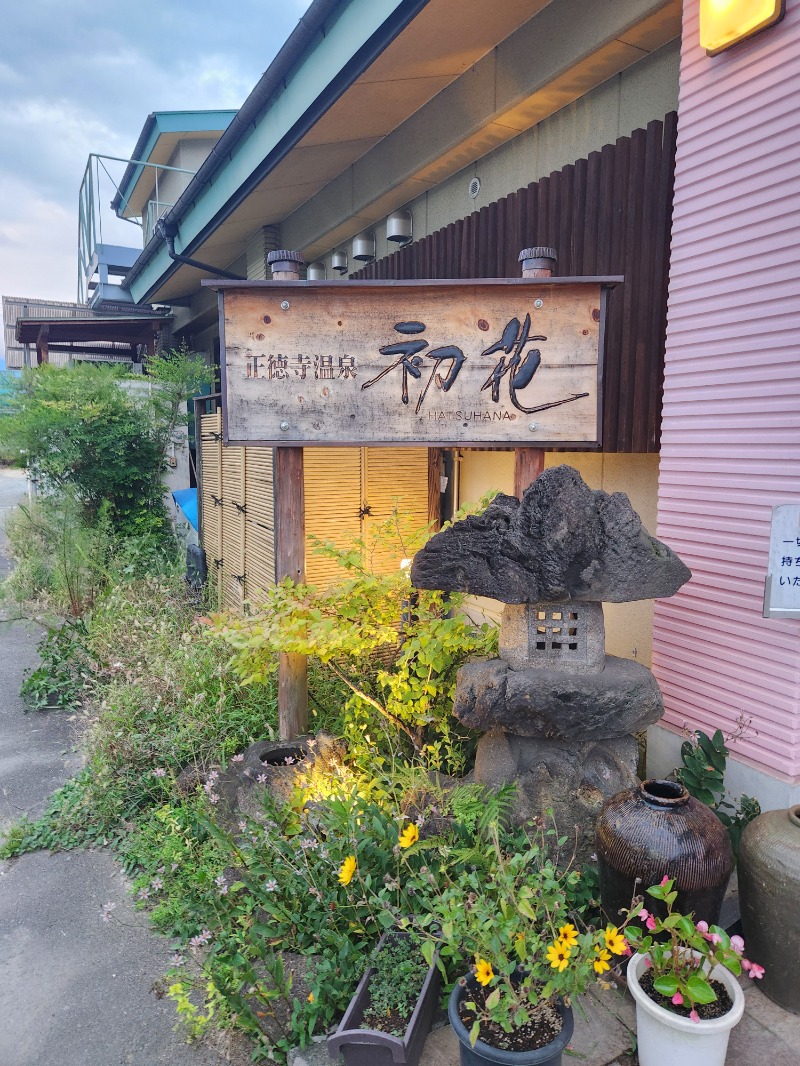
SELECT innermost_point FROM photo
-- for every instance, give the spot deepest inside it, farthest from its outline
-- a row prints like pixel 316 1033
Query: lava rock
pixel 623 698
pixel 563 541
pixel 564 784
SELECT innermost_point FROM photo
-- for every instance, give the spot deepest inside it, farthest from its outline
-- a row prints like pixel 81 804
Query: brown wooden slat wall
pixel 608 214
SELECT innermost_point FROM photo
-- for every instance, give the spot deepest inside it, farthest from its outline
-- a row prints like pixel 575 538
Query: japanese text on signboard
pixel 314 365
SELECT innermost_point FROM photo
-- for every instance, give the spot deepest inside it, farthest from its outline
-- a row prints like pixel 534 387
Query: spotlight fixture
pixel 364 247
pixel 339 262
pixel 724 23
pixel 400 227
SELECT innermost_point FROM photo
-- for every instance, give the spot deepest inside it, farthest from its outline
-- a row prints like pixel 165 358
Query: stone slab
pixel 624 698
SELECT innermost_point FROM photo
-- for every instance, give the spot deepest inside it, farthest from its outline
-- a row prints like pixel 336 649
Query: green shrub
pixel 79 431
pixel 60 679
pixel 395 648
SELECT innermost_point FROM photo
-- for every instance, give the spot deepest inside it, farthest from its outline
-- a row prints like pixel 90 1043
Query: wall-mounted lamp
pixel 339 262
pixel 364 247
pixel 724 23
pixel 400 227
pixel 317 271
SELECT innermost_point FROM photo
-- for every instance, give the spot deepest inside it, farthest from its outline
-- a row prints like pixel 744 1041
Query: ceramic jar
pixel 656 830
pixel 769 891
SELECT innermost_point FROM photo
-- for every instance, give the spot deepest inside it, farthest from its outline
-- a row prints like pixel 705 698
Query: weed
pixel 60 679
pixel 704 760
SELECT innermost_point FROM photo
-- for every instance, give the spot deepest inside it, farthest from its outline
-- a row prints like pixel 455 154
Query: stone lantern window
pixel 560 630
pixel 554 636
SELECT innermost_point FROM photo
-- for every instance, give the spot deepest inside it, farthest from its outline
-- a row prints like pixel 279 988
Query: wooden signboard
pixel 438 363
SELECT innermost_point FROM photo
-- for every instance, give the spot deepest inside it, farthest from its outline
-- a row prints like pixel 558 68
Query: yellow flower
pixel 348 868
pixel 615 941
pixel 568 936
pixel 409 836
pixel 601 962
pixel 310 997
pixel 558 956
pixel 483 970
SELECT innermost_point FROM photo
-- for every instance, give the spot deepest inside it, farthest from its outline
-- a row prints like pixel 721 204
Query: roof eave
pixel 154 267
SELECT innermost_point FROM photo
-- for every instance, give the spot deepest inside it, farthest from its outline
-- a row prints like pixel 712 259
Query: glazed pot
pixel 656 830
pixel 769 890
pixel 663 1037
pixel 480 1054
pixel 370 1047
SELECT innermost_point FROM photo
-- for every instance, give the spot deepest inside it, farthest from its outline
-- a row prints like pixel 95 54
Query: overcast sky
pixel 78 76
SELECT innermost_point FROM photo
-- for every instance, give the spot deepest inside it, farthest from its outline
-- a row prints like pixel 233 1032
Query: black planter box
pixel 370 1047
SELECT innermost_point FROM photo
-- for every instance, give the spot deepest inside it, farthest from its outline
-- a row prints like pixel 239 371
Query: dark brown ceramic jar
pixel 769 895
pixel 657 830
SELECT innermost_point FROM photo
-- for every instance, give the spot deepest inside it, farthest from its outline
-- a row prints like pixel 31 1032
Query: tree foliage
pixel 79 431
pixel 83 433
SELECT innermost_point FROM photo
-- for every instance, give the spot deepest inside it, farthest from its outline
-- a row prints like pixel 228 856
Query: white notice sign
pixel 782 596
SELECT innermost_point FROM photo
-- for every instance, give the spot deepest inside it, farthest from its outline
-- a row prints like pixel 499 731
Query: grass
pixel 162 698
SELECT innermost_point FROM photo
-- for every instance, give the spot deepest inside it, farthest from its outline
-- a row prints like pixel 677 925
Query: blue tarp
pixel 186 499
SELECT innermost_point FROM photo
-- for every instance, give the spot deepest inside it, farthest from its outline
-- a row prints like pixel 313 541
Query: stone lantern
pixel 558 714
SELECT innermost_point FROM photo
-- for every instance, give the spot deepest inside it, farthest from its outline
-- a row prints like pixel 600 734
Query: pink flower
pixel 238 758
pixel 714 938
pixel 701 927
pixel 737 944
pixel 647 963
pixel 650 923
pixel 677 999
pixel 694 1016
pixel 756 971
pixel 643 914
pixel 664 880
pixel 746 964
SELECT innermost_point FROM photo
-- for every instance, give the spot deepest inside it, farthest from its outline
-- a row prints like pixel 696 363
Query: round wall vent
pixel 474 188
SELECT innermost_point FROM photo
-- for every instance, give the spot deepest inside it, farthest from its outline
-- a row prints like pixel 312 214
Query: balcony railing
pixel 105 251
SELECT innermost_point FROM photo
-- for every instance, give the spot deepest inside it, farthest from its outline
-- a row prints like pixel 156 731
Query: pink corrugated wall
pixel 731 427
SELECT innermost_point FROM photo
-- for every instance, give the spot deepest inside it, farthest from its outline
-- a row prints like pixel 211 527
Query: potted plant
pixel 683 980
pixel 389 1016
pixel 511 914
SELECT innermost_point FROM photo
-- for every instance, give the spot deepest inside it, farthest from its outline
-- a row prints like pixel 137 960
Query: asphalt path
pixel 74 990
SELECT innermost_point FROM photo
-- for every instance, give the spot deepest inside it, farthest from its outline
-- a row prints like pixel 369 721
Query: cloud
pixel 38 239
pixel 79 78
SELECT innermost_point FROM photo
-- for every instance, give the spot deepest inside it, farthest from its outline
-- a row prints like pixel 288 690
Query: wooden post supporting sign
pixel 529 462
pixel 290 535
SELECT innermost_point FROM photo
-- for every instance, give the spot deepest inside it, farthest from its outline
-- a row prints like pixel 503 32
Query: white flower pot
pixel 666 1038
